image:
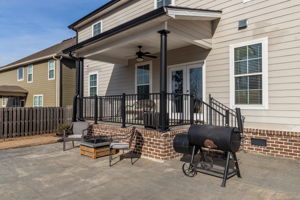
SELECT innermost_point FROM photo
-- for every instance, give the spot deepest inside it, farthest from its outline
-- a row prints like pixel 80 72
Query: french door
pixel 185 79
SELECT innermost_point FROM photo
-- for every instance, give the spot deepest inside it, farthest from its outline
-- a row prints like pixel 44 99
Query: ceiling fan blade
pixel 150 56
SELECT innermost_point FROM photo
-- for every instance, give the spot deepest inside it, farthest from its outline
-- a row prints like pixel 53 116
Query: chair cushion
pixel 78 127
pixel 74 136
pixel 119 145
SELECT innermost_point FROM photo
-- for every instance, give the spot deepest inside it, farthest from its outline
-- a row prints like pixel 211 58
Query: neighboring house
pixel 44 79
pixel 243 53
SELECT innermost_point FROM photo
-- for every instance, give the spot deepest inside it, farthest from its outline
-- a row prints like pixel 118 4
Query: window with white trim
pixel 143 81
pixel 97 28
pixel 93 84
pixel 30 74
pixel 160 3
pixel 4 101
pixel 38 101
pixel 249 69
pixel 20 74
pixel 51 70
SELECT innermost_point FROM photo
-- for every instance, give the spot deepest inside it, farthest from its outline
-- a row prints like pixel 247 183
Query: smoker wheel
pixel 189 170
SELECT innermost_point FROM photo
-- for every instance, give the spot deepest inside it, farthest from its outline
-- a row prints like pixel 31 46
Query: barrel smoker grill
pixel 226 139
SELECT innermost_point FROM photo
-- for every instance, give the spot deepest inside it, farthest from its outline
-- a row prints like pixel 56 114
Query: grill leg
pixel 202 155
pixel 193 155
pixel 238 173
pixel 226 170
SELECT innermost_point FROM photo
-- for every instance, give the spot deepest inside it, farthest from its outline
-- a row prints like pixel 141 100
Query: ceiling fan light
pixel 139 59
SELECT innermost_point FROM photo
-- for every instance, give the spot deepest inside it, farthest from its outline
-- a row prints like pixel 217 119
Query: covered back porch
pixel 163 53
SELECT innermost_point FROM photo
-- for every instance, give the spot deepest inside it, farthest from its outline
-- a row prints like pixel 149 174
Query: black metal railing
pixel 220 107
pixel 141 109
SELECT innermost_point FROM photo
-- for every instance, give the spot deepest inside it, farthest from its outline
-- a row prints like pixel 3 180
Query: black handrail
pixel 144 109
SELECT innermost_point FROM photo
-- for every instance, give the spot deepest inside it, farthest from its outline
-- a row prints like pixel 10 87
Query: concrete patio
pixel 45 172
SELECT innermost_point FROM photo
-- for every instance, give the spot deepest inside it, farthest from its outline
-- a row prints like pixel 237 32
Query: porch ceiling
pixel 187 27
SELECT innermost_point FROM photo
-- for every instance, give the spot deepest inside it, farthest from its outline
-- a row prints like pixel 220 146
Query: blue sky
pixel 27 26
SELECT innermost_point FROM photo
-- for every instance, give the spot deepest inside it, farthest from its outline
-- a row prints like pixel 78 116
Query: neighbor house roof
pixel 54 50
pixel 12 91
pixel 167 10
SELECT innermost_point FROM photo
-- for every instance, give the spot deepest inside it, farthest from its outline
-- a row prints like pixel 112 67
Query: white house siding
pixel 279 20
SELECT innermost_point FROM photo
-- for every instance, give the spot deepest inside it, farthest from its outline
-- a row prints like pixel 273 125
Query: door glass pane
pixel 143 92
pixel 196 87
pixel 177 88
pixel 196 83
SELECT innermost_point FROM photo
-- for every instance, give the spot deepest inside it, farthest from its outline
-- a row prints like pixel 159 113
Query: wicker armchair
pixel 78 131
pixel 119 144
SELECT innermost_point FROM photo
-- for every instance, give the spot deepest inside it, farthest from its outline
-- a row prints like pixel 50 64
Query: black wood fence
pixel 17 122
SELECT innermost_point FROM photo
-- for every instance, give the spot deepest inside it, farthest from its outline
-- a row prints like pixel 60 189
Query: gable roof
pixel 154 14
pixel 43 54
pixel 112 4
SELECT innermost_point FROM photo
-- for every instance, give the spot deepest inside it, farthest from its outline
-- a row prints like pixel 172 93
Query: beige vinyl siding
pixel 40 85
pixel 112 79
pixel 278 20
pixel 117 79
pixel 68 82
pixel 118 16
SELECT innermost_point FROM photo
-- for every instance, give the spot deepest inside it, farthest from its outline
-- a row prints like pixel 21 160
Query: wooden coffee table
pixel 96 148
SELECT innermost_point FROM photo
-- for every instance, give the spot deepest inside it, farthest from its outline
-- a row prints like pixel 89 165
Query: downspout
pixel 58 76
pixel 79 88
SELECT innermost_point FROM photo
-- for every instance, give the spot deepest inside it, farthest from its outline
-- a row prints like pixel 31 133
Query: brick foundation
pixel 149 143
pixel 156 145
pixel 279 143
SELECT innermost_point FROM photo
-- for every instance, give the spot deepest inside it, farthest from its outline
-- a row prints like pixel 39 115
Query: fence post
pixel 96 110
pixel 123 110
pixel 192 109
pixel 210 109
pixel 227 117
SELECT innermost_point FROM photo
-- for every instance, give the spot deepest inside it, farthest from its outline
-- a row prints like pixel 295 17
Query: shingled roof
pixel 44 54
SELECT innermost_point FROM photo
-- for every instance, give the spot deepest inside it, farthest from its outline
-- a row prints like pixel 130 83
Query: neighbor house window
pixel 51 70
pixel 30 73
pixel 160 3
pixel 38 100
pixel 93 84
pixel 21 74
pixel 249 71
pixel 97 28
pixel 143 80
pixel 4 102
